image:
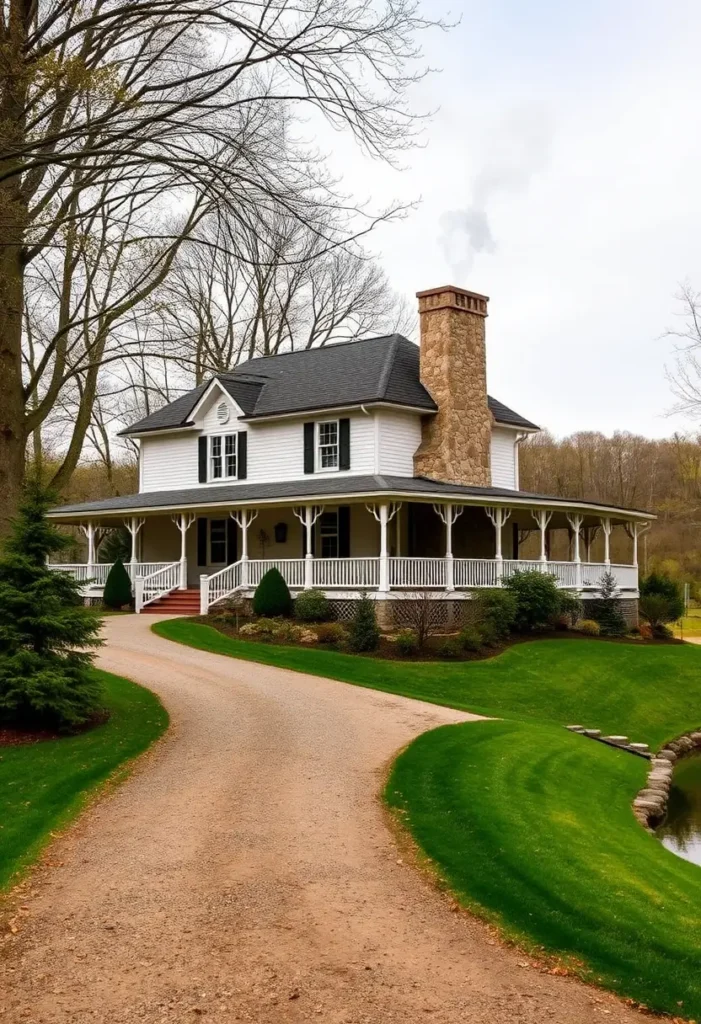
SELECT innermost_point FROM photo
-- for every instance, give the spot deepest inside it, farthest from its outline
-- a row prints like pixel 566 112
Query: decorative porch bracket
pixel 575 519
pixel 542 517
pixel 183 522
pixel 449 514
pixel 243 519
pixel 498 516
pixel 384 514
pixel 308 515
pixel 635 530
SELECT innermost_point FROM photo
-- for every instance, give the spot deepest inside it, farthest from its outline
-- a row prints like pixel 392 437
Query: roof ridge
pixel 388 367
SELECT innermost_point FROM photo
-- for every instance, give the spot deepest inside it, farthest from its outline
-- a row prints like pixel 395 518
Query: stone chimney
pixel 455 442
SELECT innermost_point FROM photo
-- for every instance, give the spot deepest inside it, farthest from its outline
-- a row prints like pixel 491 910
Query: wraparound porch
pixel 379 547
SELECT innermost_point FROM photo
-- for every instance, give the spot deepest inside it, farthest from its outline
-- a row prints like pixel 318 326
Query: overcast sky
pixel 561 177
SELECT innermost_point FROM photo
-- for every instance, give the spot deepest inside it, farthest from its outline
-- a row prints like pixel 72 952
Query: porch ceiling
pixel 337 489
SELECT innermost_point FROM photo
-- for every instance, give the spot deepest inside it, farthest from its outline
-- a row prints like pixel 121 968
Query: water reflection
pixel 681 831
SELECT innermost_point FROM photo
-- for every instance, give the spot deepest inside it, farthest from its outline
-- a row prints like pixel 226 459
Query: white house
pixel 373 466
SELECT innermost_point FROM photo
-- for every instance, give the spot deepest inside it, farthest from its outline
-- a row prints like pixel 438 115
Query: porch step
pixel 178 602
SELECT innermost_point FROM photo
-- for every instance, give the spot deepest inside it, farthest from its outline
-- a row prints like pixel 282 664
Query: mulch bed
pixel 15 736
pixel 388 650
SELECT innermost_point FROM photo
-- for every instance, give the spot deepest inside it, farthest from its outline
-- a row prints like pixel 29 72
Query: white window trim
pixel 211 478
pixel 317 446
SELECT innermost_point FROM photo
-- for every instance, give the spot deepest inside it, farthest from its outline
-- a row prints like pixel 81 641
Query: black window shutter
pixel 201 540
pixel 202 464
pixel 232 537
pixel 308 447
pixel 411 530
pixel 242 456
pixel 344 454
pixel 344 531
pixel 514 541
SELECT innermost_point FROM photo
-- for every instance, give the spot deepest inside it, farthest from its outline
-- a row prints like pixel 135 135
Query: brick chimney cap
pixel 451 288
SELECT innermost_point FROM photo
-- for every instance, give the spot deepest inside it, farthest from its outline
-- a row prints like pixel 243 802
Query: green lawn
pixel 650 692
pixel 531 826
pixel 44 785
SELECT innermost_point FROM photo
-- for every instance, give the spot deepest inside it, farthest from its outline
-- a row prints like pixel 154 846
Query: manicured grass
pixel 649 692
pixel 44 785
pixel 531 827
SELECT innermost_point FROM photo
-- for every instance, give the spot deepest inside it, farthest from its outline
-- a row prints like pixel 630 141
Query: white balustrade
pixel 474 572
pixel 626 576
pixel 98 572
pixel 291 570
pixel 219 585
pixel 148 589
pixel 360 573
pixel 417 572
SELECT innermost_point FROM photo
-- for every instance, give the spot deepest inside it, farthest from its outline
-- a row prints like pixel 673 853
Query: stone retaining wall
pixel 650 805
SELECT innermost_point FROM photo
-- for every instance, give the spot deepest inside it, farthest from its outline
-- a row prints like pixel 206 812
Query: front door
pixel 216 543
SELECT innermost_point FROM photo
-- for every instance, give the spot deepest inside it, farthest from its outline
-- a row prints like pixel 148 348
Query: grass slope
pixel 651 693
pixel 44 785
pixel 531 826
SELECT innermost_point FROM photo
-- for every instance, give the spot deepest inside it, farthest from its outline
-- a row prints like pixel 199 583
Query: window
pixel 328 532
pixel 217 541
pixel 327 445
pixel 222 457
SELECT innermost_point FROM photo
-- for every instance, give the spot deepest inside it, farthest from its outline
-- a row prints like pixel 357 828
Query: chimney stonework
pixel 456 441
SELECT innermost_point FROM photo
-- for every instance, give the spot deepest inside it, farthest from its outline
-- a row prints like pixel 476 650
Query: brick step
pixel 179 602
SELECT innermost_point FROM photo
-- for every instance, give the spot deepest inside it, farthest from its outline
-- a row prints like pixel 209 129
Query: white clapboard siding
pixel 169 462
pixel 276 449
pixel 399 435
pixel 503 458
pixel 207 417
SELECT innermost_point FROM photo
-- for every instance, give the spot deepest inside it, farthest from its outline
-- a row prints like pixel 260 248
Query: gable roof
pixel 352 373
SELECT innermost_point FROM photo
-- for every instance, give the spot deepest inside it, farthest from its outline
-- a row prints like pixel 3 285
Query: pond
pixel 681 831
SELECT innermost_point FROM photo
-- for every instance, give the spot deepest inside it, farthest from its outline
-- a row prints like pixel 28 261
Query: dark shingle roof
pixel 235 494
pixel 354 373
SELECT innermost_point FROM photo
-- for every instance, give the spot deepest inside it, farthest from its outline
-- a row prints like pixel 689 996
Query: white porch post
pixel 133 525
pixel 244 518
pixel 89 531
pixel 183 523
pixel 542 518
pixel 384 514
pixel 635 530
pixel 575 520
pixel 448 514
pixel 308 515
pixel 607 527
pixel 498 517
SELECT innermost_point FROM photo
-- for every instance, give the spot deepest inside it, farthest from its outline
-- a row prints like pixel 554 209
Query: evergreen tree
pixel 364 631
pixel 272 596
pixel 45 677
pixel 117 590
pixel 606 609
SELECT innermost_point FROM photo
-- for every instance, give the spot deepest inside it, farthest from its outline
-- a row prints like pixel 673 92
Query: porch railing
pixel 359 573
pixel 291 569
pixel 417 572
pixel 148 589
pixel 96 573
pixel 218 586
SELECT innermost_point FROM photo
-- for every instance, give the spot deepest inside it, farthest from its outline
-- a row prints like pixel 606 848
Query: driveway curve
pixel 245 872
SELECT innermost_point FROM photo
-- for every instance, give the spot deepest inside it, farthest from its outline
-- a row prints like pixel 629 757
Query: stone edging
pixel 650 805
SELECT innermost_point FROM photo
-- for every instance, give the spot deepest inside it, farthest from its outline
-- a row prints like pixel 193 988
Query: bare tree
pixel 176 98
pixel 685 375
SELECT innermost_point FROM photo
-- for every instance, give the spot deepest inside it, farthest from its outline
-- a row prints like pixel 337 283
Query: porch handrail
pixel 148 589
pixel 219 585
pixel 84 572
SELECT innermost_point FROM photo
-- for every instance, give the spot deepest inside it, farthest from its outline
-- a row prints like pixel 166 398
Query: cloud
pixel 517 149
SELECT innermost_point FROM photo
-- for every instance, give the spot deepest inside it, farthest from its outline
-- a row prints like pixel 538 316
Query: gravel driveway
pixel 245 872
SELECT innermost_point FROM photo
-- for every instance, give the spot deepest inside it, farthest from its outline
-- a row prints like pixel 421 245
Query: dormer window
pixel 222 457
pixel 327 445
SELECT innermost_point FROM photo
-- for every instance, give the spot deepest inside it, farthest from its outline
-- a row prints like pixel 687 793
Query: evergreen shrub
pixel 117 590
pixel 272 596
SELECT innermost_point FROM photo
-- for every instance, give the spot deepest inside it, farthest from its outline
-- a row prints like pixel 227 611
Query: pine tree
pixel 364 631
pixel 45 677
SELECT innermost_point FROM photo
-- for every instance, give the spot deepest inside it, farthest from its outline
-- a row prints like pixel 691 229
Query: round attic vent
pixel 223 412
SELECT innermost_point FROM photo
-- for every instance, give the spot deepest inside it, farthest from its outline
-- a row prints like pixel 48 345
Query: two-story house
pixel 372 466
